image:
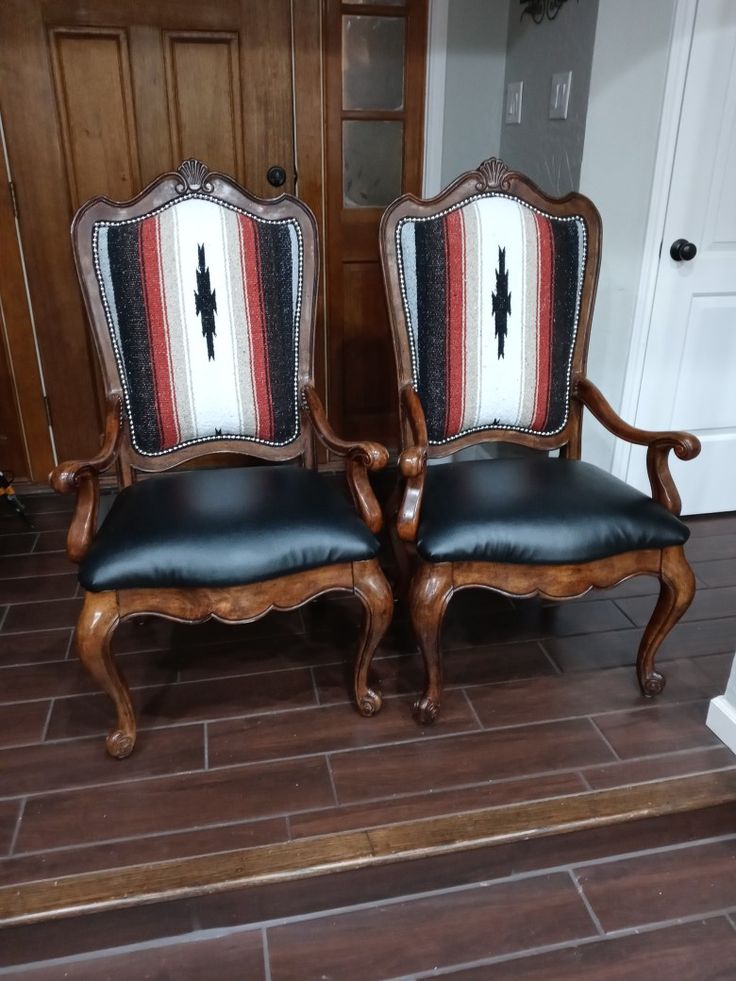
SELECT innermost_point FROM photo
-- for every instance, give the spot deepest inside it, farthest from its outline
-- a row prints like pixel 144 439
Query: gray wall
pixel 549 151
pixel 624 114
pixel 476 55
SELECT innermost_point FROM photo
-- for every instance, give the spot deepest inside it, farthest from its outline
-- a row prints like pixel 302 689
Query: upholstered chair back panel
pixel 202 304
pixel 491 292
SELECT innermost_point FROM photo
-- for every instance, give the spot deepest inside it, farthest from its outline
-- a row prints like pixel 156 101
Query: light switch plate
pixel 559 95
pixel 514 93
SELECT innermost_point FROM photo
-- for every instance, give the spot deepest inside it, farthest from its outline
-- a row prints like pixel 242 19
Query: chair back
pixel 490 288
pixel 201 298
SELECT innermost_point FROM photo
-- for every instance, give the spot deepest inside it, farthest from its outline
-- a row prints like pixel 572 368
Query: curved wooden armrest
pixel 361 457
pixel 659 444
pixel 413 466
pixel 82 478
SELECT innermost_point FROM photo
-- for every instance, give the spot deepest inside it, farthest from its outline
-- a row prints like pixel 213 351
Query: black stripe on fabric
pixel 123 246
pixel 432 323
pixel 564 304
pixel 276 273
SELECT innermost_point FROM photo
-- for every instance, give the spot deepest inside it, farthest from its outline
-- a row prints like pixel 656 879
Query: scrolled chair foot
pixel 120 744
pixel 652 684
pixel 426 711
pixel 370 703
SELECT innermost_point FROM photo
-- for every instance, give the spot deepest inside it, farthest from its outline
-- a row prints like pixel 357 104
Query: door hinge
pixel 47 407
pixel 13 198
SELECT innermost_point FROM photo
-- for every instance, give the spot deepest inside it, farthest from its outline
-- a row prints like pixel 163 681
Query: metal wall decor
pixel 538 9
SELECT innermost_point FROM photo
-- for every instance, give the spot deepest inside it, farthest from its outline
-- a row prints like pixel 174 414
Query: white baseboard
pixel 722 721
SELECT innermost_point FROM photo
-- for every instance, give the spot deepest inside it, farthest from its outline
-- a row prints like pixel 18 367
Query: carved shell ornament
pixel 493 175
pixel 194 177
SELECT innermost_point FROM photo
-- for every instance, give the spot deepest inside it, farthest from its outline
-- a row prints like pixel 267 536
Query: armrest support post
pixel 82 477
pixel 659 444
pixel 361 457
pixel 413 466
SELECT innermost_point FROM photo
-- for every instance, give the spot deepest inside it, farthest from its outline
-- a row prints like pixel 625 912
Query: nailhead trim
pixel 118 357
pixel 407 317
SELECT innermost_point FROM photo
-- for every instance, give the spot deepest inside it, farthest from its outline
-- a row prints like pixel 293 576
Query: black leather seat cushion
pixel 224 528
pixel 537 510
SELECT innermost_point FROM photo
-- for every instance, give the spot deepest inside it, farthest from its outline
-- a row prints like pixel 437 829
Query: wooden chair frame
pixel 433 584
pixel 103 611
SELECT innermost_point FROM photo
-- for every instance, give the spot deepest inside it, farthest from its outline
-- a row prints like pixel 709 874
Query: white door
pixel 689 379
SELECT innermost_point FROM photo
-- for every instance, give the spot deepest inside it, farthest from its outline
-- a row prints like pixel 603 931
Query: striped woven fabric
pixel 492 295
pixel 202 303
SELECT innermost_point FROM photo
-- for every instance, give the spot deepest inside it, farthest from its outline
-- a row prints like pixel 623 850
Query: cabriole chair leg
pixel 430 592
pixel 96 625
pixel 374 592
pixel 677 588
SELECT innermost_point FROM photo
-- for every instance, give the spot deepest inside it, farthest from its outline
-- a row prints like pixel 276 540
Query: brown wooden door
pixel 99 97
pixel 375 116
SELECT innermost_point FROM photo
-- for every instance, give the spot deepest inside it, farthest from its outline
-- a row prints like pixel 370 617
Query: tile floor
pixel 248 737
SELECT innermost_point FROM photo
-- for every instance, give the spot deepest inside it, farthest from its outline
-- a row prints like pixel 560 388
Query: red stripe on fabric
pixel 545 306
pixel 158 330
pixel 455 321
pixel 253 290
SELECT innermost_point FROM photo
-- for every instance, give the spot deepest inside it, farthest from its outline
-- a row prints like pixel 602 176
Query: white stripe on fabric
pixel 213 382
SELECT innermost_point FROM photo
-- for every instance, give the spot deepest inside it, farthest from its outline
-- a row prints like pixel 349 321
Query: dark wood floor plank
pixel 703 951
pixel 230 958
pixel 172 803
pixel 37 589
pixel 721 546
pixel 708 604
pixel 466 759
pixel 51 541
pixel 142 850
pixel 532 620
pixel 659 767
pixel 327 729
pixel 716 572
pixel 50 564
pixel 9 811
pixel 36 504
pixel 610 649
pixel 23 723
pixel 404 674
pixel 175 704
pixel 43 616
pixel 661 729
pixel 584 693
pixel 662 886
pixel 49 679
pixel 712 525
pixel 17 544
pixel 94 932
pixel 37 645
pixel 419 935
pixel 84 762
pixel 52 520
pixel 433 804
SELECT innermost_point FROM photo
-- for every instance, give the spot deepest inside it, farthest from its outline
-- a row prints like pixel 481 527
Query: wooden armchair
pixel 490 288
pixel 201 300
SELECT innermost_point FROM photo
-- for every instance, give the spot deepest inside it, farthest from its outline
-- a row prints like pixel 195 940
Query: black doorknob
pixel 276 176
pixel 683 251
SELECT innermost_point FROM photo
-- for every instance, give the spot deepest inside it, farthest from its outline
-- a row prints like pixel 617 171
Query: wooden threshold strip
pixel 202 874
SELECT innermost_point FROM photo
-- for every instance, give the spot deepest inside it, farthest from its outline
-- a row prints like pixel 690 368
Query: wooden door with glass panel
pixel 375 81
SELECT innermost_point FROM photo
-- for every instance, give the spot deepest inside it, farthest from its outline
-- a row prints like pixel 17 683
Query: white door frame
pixel 683 23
